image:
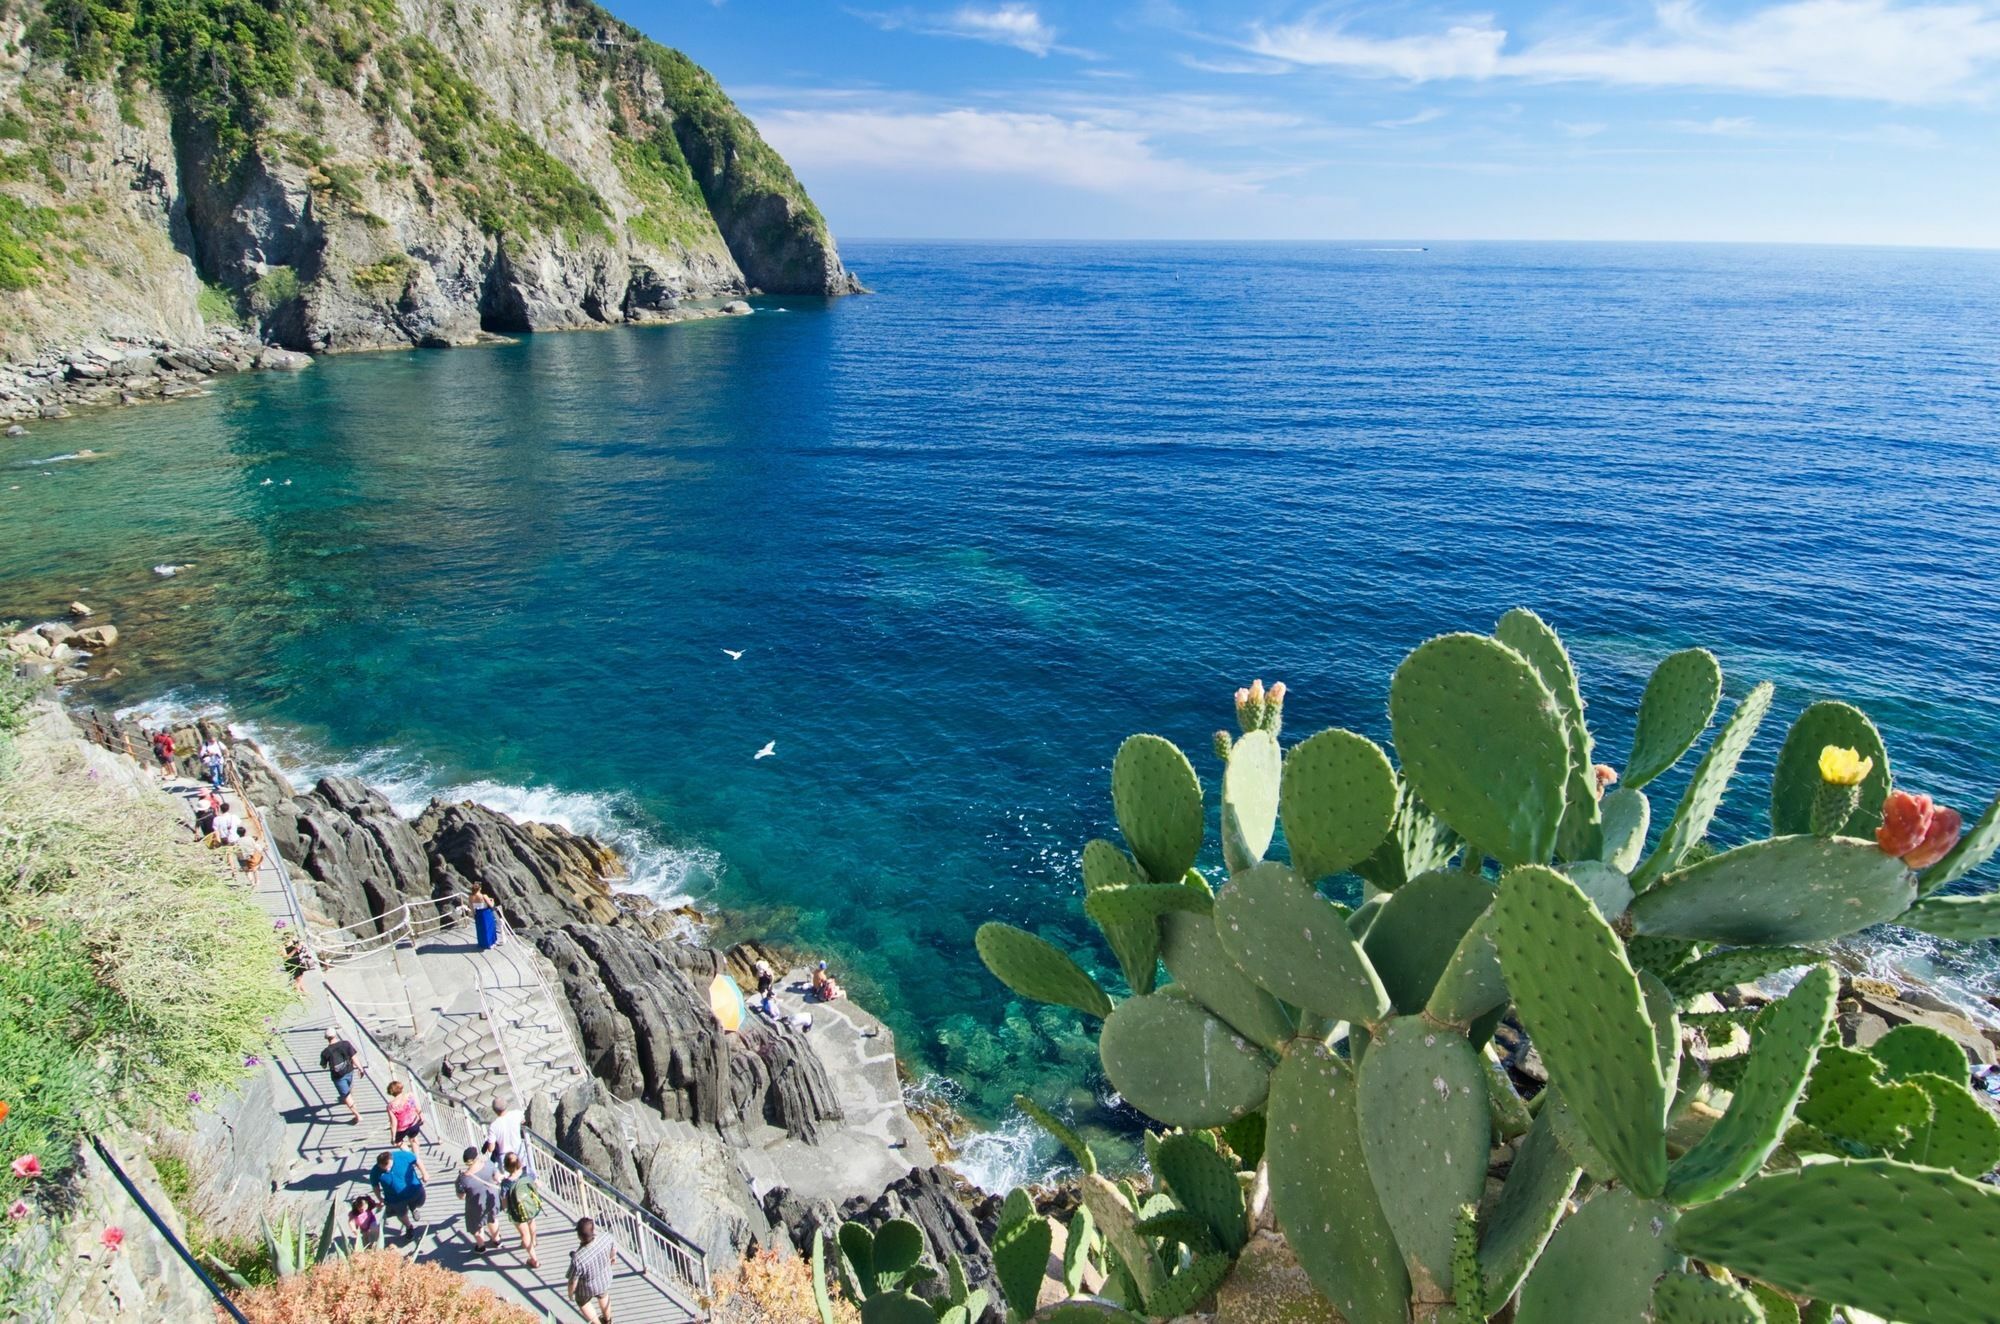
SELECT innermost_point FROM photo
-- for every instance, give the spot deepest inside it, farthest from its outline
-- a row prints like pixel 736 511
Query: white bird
pixel 735 654
pixel 770 748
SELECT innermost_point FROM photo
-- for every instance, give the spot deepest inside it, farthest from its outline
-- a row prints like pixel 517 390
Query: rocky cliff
pixel 352 174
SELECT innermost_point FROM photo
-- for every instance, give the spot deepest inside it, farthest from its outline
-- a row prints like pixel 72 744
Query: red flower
pixel 27 1167
pixel 4 1110
pixel 112 1237
pixel 18 1210
pixel 1937 843
pixel 1906 821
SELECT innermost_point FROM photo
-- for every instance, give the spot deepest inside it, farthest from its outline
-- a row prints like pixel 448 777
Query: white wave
pixel 1016 1153
pixel 668 874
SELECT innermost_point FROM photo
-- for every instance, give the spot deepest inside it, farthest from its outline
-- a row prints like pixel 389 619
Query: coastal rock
pixel 29 642
pixel 98 636
pixel 78 609
pixel 283 360
pixel 58 632
pixel 736 308
pixel 16 430
pixel 541 875
pixel 930 1198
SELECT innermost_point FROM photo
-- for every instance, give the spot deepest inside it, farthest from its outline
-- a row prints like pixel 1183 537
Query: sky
pixel 1818 121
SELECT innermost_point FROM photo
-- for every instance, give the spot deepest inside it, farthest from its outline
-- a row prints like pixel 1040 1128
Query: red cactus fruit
pixel 1906 821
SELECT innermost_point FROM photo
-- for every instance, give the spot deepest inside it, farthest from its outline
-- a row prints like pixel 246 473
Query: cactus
pixel 1910 1049
pixel 1180 1294
pixel 1134 941
pixel 1847 1104
pixel 1704 790
pixel 1626 814
pixel 1839 1231
pixel 1425 1130
pixel 1418 842
pixel 1192 947
pixel 1693 1298
pixel 1079 1249
pixel 1531 1202
pixel 1973 849
pixel 1962 1134
pixel 1078 1147
pixel 1602 1263
pixel 896 1308
pixel 1172 1060
pixel 1205 1184
pixel 1735 965
pixel 1581 836
pixel 1413 939
pixel 1157 799
pixel 1338 802
pixel 1777 891
pixel 1297 946
pixel 1581 1001
pixel 1468 1288
pixel 1962 918
pixel 1020 1260
pixel 1143 904
pixel 1608 889
pixel 1118 1224
pixel 1471 985
pixel 1321 1192
pixel 1676 708
pixel 822 1298
pixel 1250 799
pixel 1483 743
pixel 1796 782
pixel 1036 968
pixel 1783 1045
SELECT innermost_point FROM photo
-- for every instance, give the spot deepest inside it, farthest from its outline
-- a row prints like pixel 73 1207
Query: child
pixel 364 1220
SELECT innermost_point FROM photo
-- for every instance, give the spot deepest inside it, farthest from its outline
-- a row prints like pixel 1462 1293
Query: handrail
pixel 160 1226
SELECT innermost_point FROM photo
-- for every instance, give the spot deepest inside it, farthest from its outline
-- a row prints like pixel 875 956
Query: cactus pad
pixel 1143 903
pixel 1961 1135
pixel 1296 945
pixel 1961 918
pixel 1609 890
pixel 896 1308
pixel 1118 1223
pixel 1250 798
pixel 1421 924
pixel 1735 965
pixel 1601 1264
pixel 1178 1064
pixel 1418 842
pixel 1426 1132
pixel 1338 800
pixel 1021 1261
pixel 1191 1286
pixel 1079 1148
pixel 1205 1183
pixel 1975 848
pixel 1086 1312
pixel 1909 1049
pixel 1666 1029
pixel 1783 1044
pixel 1626 815
pixel 1846 1102
pixel 1581 835
pixel 1078 1247
pixel 1780 890
pixel 1693 1298
pixel 1202 966
pixel 1677 707
pixel 1897 1241
pixel 1531 1202
pixel 1321 1194
pixel 1795 782
pixel 1136 943
pixel 857 1244
pixel 1483 743
pixel 1471 985
pixel 1705 789
pixel 1036 968
pixel 1157 799
pixel 899 1244
pixel 1583 1008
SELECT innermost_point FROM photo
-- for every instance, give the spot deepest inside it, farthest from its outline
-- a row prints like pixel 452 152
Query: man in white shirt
pixel 228 828
pixel 504 1137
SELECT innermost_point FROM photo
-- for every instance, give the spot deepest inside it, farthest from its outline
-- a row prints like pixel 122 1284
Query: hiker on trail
pixel 342 1064
pixel 766 977
pixel 485 919
pixel 296 963
pixel 206 811
pixel 398 1181
pixel 364 1221
pixel 521 1197
pixel 406 1116
pixel 227 829
pixel 590 1269
pixel 163 750
pixel 503 1136
pixel 212 756
pixel 479 1183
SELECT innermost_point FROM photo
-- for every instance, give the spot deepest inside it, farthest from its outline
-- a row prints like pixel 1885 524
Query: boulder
pixel 79 610
pixel 694 1181
pixel 541 875
pixel 16 430
pixel 736 308
pixel 60 632
pixel 274 359
pixel 30 643
pixel 98 636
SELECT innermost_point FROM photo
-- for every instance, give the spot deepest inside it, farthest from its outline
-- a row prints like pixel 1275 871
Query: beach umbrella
pixel 726 1000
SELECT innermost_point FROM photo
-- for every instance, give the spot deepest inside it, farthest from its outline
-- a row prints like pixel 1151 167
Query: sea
pixel 971 529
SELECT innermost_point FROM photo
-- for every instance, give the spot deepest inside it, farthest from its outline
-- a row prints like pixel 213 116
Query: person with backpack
pixel 521 1197
pixel 343 1064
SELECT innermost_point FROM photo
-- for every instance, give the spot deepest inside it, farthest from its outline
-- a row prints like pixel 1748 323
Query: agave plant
pixel 1670 1172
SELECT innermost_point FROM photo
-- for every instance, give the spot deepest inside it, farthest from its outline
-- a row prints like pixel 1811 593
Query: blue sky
pixel 1843 121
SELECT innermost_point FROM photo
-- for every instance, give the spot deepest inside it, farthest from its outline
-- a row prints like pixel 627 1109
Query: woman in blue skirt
pixel 485 919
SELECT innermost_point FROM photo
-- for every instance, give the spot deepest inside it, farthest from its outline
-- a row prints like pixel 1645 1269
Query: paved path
pixel 393 991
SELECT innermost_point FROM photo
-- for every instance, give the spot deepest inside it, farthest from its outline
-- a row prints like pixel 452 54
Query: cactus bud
pixel 1606 777
pixel 1906 822
pixel 1938 841
pixel 1222 745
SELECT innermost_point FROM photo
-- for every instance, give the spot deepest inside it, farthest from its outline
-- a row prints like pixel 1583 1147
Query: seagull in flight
pixel 735 654
pixel 770 748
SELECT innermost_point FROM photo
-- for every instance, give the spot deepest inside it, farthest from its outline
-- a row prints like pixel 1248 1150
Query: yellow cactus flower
pixel 1839 766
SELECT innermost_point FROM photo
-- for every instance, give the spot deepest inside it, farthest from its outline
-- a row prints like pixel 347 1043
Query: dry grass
pixel 377 1287
pixel 768 1289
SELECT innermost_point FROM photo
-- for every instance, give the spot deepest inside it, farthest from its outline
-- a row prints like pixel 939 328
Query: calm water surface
pixel 973 529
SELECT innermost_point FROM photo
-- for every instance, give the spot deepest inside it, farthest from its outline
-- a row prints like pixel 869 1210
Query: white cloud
pixel 1722 126
pixel 1077 152
pixel 1424 116
pixel 1878 50
pixel 1011 24
pixel 1584 129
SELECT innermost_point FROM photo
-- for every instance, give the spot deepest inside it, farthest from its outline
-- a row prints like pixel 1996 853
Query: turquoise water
pixel 975 528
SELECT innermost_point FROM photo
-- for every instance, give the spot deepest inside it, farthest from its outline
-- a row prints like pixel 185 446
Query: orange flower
pixel 3 1110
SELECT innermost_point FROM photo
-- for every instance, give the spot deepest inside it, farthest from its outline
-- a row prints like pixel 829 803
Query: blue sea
pixel 972 529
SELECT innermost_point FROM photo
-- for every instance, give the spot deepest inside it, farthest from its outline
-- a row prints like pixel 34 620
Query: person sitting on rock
pixel 820 980
pixel 766 978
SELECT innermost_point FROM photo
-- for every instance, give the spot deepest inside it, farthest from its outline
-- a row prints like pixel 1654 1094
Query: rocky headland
pixel 182 186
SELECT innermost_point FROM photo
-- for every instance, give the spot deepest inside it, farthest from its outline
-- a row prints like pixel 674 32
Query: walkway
pixel 384 993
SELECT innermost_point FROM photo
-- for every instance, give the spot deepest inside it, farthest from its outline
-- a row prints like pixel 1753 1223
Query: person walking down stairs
pixel 521 1197
pixel 479 1183
pixel 590 1270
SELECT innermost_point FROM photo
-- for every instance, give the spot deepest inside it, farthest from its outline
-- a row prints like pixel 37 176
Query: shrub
pixel 768 1289
pixel 216 305
pixel 380 1287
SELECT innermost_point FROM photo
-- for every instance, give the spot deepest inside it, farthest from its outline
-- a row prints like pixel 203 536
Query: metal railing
pixel 403 924
pixel 160 1226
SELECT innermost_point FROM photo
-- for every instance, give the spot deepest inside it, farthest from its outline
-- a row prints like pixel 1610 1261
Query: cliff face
pixel 349 174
